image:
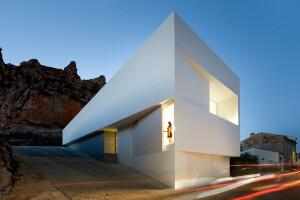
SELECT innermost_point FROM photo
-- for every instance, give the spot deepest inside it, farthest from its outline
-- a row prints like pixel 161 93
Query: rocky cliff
pixel 39 101
pixel 8 168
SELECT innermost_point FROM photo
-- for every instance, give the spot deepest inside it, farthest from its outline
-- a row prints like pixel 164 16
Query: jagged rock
pixel 1 59
pixel 71 71
pixel 8 168
pixel 35 97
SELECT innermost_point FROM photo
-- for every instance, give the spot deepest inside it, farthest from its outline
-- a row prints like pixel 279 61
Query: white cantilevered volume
pixel 174 77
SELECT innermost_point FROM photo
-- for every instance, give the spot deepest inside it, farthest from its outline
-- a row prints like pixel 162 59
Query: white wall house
pixel 175 77
pixel 265 156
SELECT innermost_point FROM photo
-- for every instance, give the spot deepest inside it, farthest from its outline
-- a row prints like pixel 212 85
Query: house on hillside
pixel 265 144
pixel 173 84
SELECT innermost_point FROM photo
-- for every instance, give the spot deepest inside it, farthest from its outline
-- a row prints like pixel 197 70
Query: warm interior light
pixel 223 101
pixel 168 116
pixel 226 109
pixel 213 107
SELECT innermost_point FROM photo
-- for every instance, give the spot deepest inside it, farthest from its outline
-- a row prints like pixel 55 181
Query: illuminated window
pixel 167 116
pixel 213 107
pixel 223 102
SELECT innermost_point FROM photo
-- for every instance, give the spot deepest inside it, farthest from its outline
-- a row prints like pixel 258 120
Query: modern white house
pixel 173 77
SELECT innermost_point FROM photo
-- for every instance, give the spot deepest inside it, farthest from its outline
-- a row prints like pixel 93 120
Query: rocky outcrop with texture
pixel 8 167
pixel 40 100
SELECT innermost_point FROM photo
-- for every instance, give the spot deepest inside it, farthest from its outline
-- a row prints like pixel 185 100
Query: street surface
pixel 276 187
pixel 285 187
pixel 79 177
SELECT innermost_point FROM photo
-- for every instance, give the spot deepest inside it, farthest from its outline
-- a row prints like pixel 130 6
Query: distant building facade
pixel 284 145
pixel 265 156
pixel 298 157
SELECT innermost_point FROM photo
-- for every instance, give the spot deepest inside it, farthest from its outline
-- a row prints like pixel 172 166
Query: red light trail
pixel 267 191
pixel 261 165
pixel 264 189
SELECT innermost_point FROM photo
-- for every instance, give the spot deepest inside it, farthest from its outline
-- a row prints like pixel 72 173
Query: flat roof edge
pixel 84 137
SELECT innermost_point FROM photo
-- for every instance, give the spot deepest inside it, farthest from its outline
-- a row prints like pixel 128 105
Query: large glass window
pixel 223 102
pixel 168 123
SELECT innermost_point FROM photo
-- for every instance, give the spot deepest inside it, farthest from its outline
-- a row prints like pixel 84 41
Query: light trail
pixel 215 186
pixel 267 191
pixel 207 187
pixel 270 186
pixel 220 180
pixel 197 189
pixel 279 176
pixel 261 165
pixel 219 189
pixel 225 185
pixel 265 187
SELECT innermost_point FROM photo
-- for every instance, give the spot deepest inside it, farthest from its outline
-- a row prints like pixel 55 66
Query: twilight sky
pixel 259 40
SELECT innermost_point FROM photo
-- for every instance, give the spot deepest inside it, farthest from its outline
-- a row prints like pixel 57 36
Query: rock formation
pixel 8 168
pixel 40 100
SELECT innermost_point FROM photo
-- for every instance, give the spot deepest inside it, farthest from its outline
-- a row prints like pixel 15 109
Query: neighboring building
pixel 265 156
pixel 298 157
pixel 174 77
pixel 284 145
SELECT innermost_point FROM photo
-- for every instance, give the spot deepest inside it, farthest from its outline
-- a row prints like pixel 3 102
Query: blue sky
pixel 258 39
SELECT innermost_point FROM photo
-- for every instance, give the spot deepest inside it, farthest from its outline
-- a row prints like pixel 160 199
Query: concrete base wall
pixel 159 166
pixel 194 169
pixel 140 147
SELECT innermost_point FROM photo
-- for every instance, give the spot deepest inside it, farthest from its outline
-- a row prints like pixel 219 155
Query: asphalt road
pixel 285 187
pixel 81 177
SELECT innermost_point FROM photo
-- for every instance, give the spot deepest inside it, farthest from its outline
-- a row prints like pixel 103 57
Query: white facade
pixel 265 156
pixel 173 77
